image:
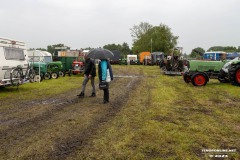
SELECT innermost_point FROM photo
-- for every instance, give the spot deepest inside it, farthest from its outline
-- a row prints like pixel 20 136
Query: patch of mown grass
pixel 165 118
pixel 42 89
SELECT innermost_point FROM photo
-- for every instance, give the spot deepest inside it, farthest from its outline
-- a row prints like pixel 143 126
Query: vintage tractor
pixel 123 61
pixel 77 67
pixel 40 69
pixel 173 65
pixel 199 72
pixel 56 69
pixel 46 70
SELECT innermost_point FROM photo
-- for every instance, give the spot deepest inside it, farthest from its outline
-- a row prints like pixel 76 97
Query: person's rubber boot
pixel 81 95
pixel 93 95
pixel 105 101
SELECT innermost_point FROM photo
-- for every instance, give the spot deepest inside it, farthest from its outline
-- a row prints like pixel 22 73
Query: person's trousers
pixel 85 81
pixel 106 94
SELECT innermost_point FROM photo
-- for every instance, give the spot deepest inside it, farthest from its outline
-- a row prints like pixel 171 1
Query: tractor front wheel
pixel 55 75
pixel 37 78
pixel 223 77
pixel 199 79
pixel 47 75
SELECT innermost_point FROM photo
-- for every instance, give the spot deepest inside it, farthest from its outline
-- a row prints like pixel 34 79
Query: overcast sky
pixel 95 23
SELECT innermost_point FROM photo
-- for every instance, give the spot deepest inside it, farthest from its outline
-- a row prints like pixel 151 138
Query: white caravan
pixel 39 56
pixel 13 53
pixel 131 58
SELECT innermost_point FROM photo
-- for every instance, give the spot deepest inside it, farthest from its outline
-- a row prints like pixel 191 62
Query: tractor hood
pixel 236 61
pixel 227 65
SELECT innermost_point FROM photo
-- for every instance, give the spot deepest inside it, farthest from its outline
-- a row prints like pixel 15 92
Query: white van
pixel 13 53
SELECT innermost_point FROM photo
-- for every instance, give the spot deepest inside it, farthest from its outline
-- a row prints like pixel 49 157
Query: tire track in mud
pixel 77 143
pixel 18 131
pixel 23 105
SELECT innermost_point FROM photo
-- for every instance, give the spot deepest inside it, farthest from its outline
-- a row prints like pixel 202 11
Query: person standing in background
pixel 104 64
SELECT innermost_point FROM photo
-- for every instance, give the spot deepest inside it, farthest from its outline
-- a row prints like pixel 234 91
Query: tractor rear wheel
pixel 199 79
pixel 187 78
pixel 238 76
pixel 61 73
pixel 234 75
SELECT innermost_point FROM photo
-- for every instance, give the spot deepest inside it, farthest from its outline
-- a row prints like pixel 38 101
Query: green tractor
pixel 123 61
pixel 199 72
pixel 47 70
pixel 40 69
pixel 56 69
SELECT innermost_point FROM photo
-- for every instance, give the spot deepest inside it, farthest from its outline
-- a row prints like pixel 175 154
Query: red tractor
pixel 78 67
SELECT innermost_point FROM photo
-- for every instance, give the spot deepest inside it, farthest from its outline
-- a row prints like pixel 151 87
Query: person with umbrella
pixel 103 67
pixel 89 73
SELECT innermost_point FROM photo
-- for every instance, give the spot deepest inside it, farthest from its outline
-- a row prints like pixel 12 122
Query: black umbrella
pixel 100 53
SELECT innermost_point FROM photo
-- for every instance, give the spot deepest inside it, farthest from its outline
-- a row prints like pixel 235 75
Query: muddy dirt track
pixel 55 127
pixel 150 116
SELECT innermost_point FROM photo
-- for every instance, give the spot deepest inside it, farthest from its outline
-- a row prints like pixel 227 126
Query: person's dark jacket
pixel 100 71
pixel 90 68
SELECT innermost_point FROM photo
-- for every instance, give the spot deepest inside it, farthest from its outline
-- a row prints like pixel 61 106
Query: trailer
pixel 156 57
pixel 144 57
pixel 72 60
pixel 131 59
pixel 13 54
pixel 215 56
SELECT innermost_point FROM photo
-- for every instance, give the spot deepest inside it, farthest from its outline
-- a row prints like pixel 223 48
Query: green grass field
pixel 161 117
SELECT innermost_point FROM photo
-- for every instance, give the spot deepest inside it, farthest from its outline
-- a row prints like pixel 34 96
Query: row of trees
pixel 225 49
pixel 147 37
